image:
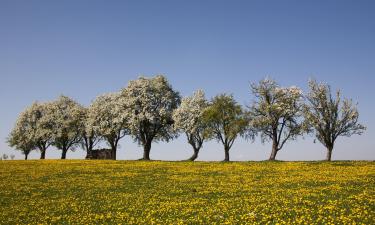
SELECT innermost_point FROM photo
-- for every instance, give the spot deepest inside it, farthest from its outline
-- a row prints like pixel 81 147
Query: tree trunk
pixel 88 146
pixel 88 153
pixel 274 150
pixel 43 154
pixel 226 151
pixel 113 149
pixel 329 153
pixel 26 155
pixel 195 155
pixel 146 150
pixel 273 154
pixel 63 155
pixel 114 153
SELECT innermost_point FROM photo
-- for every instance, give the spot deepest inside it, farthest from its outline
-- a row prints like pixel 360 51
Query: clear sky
pixel 85 48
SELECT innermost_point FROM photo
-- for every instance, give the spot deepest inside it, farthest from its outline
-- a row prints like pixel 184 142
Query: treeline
pixel 150 110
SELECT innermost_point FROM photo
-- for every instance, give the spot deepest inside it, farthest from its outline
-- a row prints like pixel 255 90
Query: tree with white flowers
pixel 21 135
pixel 150 104
pixel 226 120
pixel 19 140
pixel 90 138
pixel 107 117
pixel 33 130
pixel 23 146
pixel 277 113
pixel 67 116
pixel 329 116
pixel 188 118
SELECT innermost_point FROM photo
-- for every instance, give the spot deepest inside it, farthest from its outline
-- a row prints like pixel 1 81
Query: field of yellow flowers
pixel 137 192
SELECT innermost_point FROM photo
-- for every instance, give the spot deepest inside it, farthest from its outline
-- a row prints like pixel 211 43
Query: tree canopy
pixel 66 116
pixel 33 130
pixel 226 120
pixel 277 113
pixel 329 116
pixel 150 103
pixel 189 118
pixel 108 117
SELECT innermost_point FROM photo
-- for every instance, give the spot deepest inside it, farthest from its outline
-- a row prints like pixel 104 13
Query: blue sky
pixel 85 48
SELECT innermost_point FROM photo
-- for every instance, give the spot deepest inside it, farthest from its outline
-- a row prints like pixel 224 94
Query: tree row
pixel 150 110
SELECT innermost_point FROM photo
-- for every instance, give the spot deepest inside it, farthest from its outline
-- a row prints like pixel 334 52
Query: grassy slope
pixel 75 191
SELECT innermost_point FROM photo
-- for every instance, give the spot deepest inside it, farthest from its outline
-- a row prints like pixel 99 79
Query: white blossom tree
pixel 107 117
pixel 24 147
pixel 90 138
pixel 18 139
pixel 33 130
pixel 189 119
pixel 226 120
pixel 67 116
pixel 329 116
pixel 277 113
pixel 150 103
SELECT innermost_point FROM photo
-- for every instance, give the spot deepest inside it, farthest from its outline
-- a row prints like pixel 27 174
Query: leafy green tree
pixel 226 120
pixel 329 116
pixel 277 113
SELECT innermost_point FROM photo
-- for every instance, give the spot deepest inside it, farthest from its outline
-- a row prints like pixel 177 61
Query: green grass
pixel 137 192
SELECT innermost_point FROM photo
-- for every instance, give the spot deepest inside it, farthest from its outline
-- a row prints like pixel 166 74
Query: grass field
pixel 136 192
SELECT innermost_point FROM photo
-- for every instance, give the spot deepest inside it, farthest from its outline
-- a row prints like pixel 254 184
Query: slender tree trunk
pixel 329 153
pixel 26 155
pixel 43 154
pixel 195 155
pixel 146 150
pixel 63 155
pixel 226 151
pixel 88 153
pixel 273 153
pixel 114 150
pixel 114 153
pixel 87 146
pixel 274 148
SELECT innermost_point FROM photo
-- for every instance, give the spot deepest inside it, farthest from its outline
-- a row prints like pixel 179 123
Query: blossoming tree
pixel 188 118
pixel 90 138
pixel 227 120
pixel 32 130
pixel 107 117
pixel 20 138
pixel 66 116
pixel 329 116
pixel 277 113
pixel 150 103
